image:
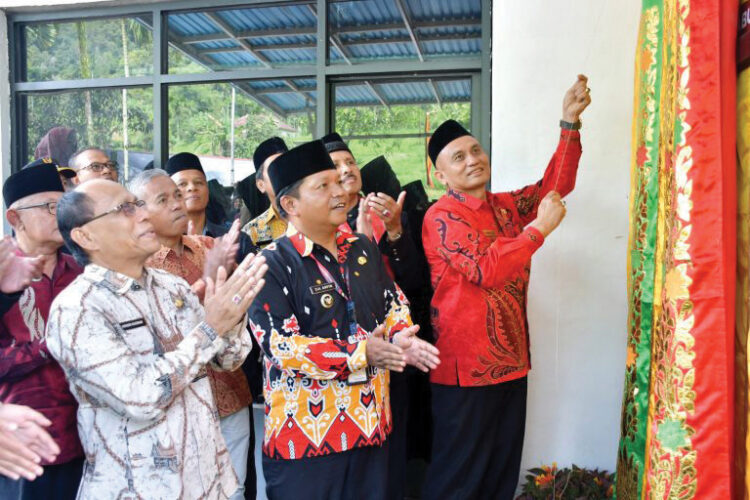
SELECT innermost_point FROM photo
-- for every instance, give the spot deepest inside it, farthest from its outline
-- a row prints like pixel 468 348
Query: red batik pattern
pixel 480 259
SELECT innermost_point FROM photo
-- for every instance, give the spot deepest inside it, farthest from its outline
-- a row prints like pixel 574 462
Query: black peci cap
pixel 334 142
pixel 39 176
pixel 447 132
pixel 297 163
pixel 183 161
pixel 267 148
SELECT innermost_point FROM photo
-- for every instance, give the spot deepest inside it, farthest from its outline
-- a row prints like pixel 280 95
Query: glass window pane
pixel 395 118
pixel 200 121
pixel 240 38
pixel 383 30
pixel 100 48
pixel 98 120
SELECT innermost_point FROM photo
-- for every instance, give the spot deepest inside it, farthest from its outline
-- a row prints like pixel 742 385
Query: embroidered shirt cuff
pixel 533 235
pixel 358 359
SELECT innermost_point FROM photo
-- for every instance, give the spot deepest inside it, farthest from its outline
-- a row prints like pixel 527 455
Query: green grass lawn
pixel 406 156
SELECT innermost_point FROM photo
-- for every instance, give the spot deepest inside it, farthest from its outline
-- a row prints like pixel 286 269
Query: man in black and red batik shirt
pixel 331 324
pixel 479 246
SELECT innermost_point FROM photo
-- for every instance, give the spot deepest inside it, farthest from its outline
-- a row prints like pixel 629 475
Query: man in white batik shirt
pixel 134 343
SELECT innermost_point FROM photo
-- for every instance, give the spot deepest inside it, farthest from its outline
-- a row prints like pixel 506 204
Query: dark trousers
pixel 59 482
pixel 477 441
pixel 361 474
pixel 251 480
pixel 397 456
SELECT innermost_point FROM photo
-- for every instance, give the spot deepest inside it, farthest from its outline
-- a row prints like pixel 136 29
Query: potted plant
pixel 576 483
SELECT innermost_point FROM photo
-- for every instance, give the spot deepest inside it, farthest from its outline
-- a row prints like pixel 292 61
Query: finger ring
pixel 588 90
pixel 236 299
pixel 386 212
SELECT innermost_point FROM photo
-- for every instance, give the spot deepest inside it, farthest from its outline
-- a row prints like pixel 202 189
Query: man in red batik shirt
pixel 479 247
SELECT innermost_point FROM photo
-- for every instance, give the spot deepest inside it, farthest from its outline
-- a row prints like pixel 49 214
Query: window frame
pixel 160 80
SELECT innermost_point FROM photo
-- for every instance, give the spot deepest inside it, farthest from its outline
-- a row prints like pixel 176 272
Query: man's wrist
pixel 541 227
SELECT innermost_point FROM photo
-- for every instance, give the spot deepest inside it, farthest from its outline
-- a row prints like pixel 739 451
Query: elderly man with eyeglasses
pixel 93 163
pixel 135 343
pixel 29 376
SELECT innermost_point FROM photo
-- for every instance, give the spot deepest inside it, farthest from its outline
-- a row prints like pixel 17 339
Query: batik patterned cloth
pixel 320 395
pixel 29 376
pixel 677 408
pixel 230 388
pixel 265 228
pixel 135 356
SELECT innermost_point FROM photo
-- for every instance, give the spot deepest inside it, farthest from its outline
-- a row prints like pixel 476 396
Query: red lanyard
pixel 329 277
pixel 351 313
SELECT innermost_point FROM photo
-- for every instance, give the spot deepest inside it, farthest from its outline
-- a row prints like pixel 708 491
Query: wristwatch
pixel 395 238
pixel 571 126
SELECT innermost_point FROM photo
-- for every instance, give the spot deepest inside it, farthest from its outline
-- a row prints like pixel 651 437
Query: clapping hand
pixel 223 253
pixel 418 352
pixel 24 442
pixel 388 210
pixel 364 219
pixel 16 272
pixel 227 298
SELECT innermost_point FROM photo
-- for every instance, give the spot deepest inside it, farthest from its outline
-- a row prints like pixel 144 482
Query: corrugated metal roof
pixel 367 30
pixel 440 9
pixel 355 94
pixel 263 18
pixel 454 90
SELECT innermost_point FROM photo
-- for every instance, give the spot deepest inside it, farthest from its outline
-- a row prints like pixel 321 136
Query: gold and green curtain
pixel 677 415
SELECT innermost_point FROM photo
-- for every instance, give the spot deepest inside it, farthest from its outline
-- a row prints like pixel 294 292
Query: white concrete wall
pixel 577 302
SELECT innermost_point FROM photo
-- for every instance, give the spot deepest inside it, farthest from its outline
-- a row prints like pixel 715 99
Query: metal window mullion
pixel 452 65
pixel 18 103
pixel 485 121
pixel 244 74
pixel 159 88
pixel 82 84
pixel 323 111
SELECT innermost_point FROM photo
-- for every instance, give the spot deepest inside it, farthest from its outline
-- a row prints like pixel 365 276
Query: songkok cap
pixel 267 148
pixel 447 132
pixel 66 172
pixel 39 176
pixel 378 177
pixel 334 142
pixel 183 161
pixel 297 163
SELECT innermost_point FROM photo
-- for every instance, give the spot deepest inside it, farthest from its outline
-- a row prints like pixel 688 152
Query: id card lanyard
pixel 361 376
pixel 351 313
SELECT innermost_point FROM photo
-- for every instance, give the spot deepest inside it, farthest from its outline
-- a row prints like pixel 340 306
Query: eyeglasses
pixel 51 207
pixel 127 208
pixel 98 167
